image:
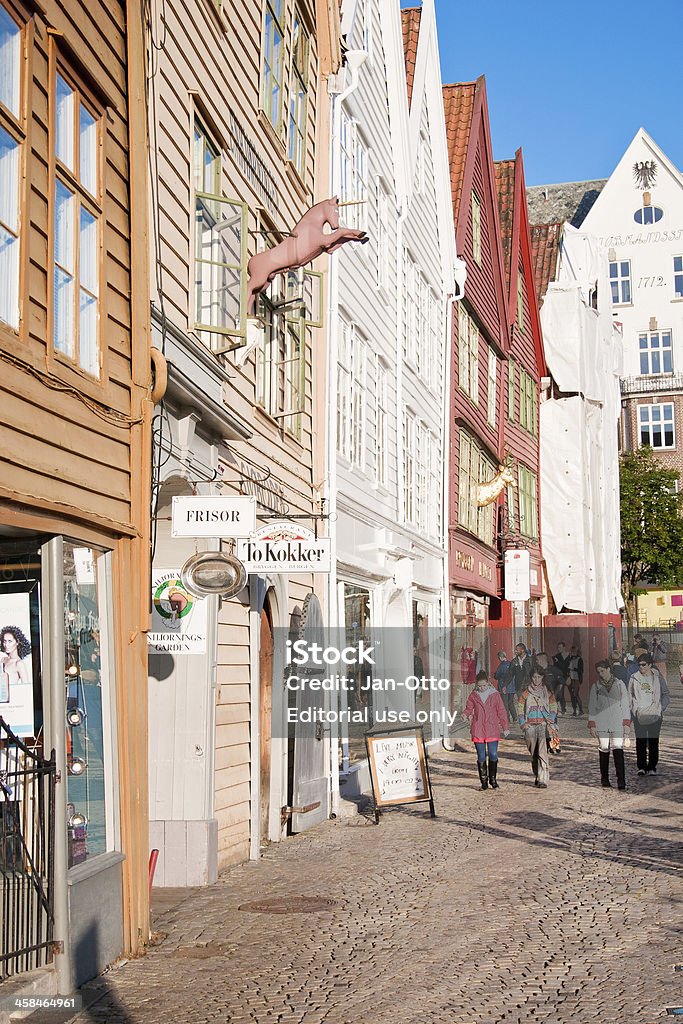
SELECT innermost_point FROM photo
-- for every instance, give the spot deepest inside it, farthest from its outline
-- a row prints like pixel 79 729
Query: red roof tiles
pixel 458 104
pixel 410 21
pixel 545 247
pixel 505 187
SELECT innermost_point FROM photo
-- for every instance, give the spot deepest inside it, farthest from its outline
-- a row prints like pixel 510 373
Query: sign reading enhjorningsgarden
pixel 284 547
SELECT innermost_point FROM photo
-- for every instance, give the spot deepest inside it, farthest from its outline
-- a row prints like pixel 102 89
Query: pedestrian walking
pixel 520 669
pixel 488 718
pixel 609 721
pixel 659 654
pixel 575 680
pixel 561 661
pixel 649 697
pixel 537 710
pixel 554 679
pixel 506 685
pixel 618 667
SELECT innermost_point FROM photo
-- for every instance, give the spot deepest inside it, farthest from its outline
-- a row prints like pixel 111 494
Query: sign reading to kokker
pixel 284 547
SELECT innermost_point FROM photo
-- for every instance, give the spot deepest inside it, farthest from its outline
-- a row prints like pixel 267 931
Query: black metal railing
pixel 27 832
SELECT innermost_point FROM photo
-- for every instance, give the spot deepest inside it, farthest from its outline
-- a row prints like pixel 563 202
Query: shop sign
pixel 179 619
pixel 200 515
pixel 517 575
pixel 398 767
pixel 16 665
pixel 285 547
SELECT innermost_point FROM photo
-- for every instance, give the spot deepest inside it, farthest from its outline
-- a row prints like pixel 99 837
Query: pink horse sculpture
pixel 307 240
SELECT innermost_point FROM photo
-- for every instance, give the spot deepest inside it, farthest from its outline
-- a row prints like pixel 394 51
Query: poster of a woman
pixel 16 668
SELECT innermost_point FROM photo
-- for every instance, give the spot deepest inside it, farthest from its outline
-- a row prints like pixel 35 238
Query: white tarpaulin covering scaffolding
pixel 578 437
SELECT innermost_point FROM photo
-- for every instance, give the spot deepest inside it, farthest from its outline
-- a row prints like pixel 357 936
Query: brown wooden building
pixel 481 342
pixel 75 436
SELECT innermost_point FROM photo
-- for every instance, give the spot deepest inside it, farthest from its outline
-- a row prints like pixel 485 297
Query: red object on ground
pixel 153 858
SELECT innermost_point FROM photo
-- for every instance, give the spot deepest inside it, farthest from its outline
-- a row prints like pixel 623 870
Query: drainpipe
pixel 57 732
pixel 354 61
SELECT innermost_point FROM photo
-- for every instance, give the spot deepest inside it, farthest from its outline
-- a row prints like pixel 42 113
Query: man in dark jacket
pixel 561 661
pixel 520 669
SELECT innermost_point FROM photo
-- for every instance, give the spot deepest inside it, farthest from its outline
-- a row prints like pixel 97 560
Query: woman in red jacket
pixel 488 718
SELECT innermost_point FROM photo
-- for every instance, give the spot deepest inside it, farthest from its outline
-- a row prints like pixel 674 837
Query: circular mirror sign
pixel 213 572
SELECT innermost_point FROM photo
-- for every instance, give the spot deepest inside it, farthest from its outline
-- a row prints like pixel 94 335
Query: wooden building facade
pixel 74 495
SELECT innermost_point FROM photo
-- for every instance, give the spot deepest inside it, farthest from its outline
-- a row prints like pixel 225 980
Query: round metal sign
pixel 213 572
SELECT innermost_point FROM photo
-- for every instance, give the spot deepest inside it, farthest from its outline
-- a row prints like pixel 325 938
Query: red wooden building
pixel 525 368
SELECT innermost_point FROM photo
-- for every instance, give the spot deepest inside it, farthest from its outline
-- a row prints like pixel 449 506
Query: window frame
pixel 528 403
pixel 663 420
pixel 275 384
pixel 620 280
pixel 382 247
pixel 650 352
pixel 468 355
pixel 511 390
pixel 15 124
pixel 265 70
pixel 476 229
pixel 354 168
pixel 84 199
pixel 678 277
pixel 353 355
pixel 520 302
pixel 298 87
pixel 381 419
pixel 492 387
pixel 527 482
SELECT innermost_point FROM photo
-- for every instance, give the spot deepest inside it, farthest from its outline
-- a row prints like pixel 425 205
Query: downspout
pixel 354 61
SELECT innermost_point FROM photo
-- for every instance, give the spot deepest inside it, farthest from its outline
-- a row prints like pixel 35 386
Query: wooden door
pixel 266 717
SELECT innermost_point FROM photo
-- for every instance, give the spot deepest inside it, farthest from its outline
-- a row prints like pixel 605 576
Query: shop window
pixel 89 746
pixel 220 250
pixel 298 95
pixel 77 220
pixel 11 148
pixel 357 627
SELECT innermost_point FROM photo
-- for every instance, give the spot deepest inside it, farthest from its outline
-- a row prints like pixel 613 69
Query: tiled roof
pixel 410 21
pixel 545 247
pixel 505 187
pixel 570 200
pixel 458 103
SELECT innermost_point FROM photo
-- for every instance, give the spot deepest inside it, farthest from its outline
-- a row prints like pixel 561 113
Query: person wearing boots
pixel 649 696
pixel 537 710
pixel 575 680
pixel 609 721
pixel 488 718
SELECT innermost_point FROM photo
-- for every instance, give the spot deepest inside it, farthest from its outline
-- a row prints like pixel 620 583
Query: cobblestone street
pixel 562 905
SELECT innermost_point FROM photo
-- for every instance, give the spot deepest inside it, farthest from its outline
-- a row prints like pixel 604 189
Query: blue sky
pixel 570 82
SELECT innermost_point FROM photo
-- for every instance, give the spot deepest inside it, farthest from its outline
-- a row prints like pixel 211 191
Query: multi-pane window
pixel 487 471
pixel 511 391
pixel 381 422
pixel 476 228
pixel 11 139
pixel 220 248
pixel 520 301
pixel 511 506
pixel 656 425
pixel 272 69
pixel 298 95
pixel 76 218
pixel 527 402
pixel 678 276
pixel 528 502
pixel 468 354
pixel 411 454
pixel 620 281
pixel 492 391
pixel 434 487
pixel 411 284
pixel 421 476
pixel 352 395
pixel 354 173
pixel 382 237
pixel 281 365
pixel 475 467
pixel 655 352
pixel 433 349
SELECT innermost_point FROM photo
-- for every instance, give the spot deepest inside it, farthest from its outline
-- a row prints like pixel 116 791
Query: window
pixel 520 300
pixel 298 95
pixel 527 402
pixel 11 139
pixel 381 422
pixel 382 237
pixel 468 354
pixel 528 507
pixel 475 467
pixel 487 471
pixel 656 425
pixel 411 283
pixel 492 392
pixel 411 497
pixel 620 281
pixel 281 364
pixel 648 215
pixel 420 164
pixel 272 67
pixel 220 259
pixel 433 347
pixel 678 276
pixel 354 173
pixel 511 391
pixel 655 352
pixel 511 506
pixel 77 220
pixel 351 395
pixel 434 487
pixel 476 229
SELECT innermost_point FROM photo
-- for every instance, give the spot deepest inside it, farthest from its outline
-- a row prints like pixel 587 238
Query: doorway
pixel 265 716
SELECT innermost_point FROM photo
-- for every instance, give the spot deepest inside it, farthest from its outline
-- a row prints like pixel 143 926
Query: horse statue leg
pixel 341 236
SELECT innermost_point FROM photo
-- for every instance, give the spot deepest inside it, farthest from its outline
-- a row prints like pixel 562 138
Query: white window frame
pixel 647 355
pixel 678 277
pixel 273 70
pixel 411 283
pixel 647 422
pixel 352 378
pixel 492 393
pixel 410 464
pixel 434 485
pixel 381 422
pixel 298 95
pixel 281 365
pixel 354 184
pixel 476 228
pixel 621 284
pixel 383 250
pixel 12 123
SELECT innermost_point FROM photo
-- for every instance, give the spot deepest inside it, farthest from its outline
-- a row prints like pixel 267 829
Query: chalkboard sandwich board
pixel 398 768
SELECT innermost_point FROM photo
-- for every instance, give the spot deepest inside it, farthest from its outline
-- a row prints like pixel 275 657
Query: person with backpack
pixel 488 718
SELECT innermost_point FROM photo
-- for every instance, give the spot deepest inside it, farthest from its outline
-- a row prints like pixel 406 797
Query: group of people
pixel 628 693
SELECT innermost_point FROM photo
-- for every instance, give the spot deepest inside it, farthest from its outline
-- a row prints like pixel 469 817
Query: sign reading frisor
pixel 199 515
pixel 284 547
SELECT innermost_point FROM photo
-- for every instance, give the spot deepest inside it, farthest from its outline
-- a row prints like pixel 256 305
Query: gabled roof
pixel 458 102
pixel 569 200
pixel 410 22
pixel 545 250
pixel 505 186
